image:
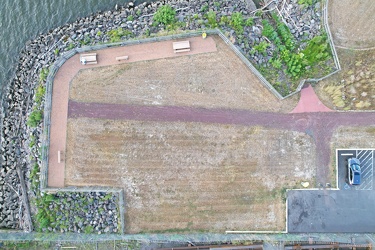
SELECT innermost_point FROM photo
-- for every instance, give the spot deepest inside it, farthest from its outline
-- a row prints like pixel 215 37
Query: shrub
pixel 116 34
pixel 35 118
pixel 262 47
pixel 89 229
pixel 237 22
pixel 165 15
pixel 317 50
pixel 43 74
pixel 211 17
pixel 249 22
pixel 39 94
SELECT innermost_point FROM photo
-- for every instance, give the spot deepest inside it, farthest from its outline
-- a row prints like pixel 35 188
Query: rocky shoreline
pixel 21 144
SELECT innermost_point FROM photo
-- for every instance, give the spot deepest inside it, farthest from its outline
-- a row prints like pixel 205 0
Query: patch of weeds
pixel 165 15
pixel 262 47
pixel 56 51
pixel 306 3
pixel 204 7
pixel 249 22
pixel 86 41
pixel 89 229
pixel 237 22
pixel 70 46
pixel 211 17
pixel 43 74
pixel 99 33
pixel 217 4
pixel 224 20
pixel 130 18
pixel 138 12
pixel 35 118
pixel 116 35
pixel 39 93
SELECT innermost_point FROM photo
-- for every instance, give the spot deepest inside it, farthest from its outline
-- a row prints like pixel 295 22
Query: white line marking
pixel 346 154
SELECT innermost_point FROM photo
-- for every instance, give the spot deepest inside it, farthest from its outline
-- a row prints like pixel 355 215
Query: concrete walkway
pixel 60 94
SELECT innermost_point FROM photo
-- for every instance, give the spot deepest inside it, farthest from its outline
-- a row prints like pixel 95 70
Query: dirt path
pixel 352 23
pixel 319 126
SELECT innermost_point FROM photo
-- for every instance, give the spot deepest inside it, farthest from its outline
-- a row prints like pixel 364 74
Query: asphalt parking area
pixel 331 211
pixel 366 157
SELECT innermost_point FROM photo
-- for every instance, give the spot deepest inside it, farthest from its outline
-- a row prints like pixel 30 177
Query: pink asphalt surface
pixel 60 94
pixel 309 102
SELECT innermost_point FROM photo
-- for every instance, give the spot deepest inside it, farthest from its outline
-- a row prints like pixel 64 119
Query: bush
pixel 35 117
pixel 116 34
pixel 43 74
pixel 237 22
pixel 165 15
pixel 211 17
pixel 39 94
pixel 317 50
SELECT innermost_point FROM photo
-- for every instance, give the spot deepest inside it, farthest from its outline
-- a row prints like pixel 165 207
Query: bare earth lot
pixel 352 23
pixel 191 176
pixel 211 80
pixel 187 176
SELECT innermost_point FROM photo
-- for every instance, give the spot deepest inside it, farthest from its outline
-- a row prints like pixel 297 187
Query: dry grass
pixel 353 88
pixel 191 176
pixel 211 80
pixel 352 22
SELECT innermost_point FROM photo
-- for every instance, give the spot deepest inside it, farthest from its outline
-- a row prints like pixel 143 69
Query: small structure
pixel 182 46
pixel 120 58
pixel 88 58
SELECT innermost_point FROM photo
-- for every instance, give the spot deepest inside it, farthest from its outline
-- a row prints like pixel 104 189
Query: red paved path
pixel 60 94
pixel 309 102
pixel 318 125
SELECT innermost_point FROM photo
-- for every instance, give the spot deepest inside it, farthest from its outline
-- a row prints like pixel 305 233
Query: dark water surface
pixel 23 20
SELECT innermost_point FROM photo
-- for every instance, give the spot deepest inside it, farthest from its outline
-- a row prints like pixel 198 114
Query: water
pixel 23 20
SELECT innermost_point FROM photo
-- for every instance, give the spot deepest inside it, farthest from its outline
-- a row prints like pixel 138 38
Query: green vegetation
pixel 204 8
pixel 116 35
pixel 237 22
pixel 165 15
pixel 70 46
pixel 43 74
pixel 130 18
pixel 262 47
pixel 306 3
pixel 35 117
pixel 39 94
pixel 211 17
pixel 286 52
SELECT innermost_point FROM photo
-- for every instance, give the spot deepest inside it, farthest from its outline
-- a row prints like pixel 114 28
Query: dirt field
pixel 208 80
pixel 352 23
pixel 353 88
pixel 191 176
pixel 360 137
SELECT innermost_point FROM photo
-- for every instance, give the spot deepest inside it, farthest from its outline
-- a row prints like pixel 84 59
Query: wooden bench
pixel 182 46
pixel 120 58
pixel 59 156
pixel 88 58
